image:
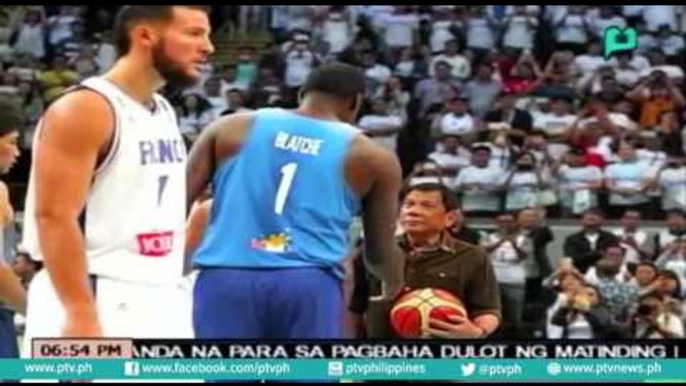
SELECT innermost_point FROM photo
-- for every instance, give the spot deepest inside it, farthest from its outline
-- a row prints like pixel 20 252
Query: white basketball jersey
pixel 136 208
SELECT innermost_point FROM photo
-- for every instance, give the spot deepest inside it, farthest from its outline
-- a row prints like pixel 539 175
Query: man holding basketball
pixel 434 259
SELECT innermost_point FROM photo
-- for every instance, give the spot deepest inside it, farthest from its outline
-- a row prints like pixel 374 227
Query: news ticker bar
pixel 502 370
pixel 427 349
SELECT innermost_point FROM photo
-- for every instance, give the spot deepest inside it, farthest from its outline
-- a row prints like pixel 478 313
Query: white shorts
pixel 125 309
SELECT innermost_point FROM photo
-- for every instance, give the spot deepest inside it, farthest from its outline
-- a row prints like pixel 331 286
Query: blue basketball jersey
pixel 282 201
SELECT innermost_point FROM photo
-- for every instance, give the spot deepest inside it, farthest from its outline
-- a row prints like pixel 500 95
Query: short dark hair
pixel 336 79
pixel 593 211
pixel 647 263
pixel 677 212
pixel 615 245
pixel 130 15
pixel 449 201
pixel 10 116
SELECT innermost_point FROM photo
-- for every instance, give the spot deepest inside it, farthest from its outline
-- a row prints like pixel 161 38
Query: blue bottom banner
pixel 501 370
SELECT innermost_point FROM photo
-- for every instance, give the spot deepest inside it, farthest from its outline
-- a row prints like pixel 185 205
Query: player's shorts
pixel 293 303
pixel 8 335
pixel 125 309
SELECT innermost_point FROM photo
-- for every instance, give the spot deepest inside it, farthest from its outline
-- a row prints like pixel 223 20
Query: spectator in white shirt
pixel 380 73
pixel 337 30
pixel 395 94
pixel 299 17
pixel 442 25
pixel 381 126
pixel 524 184
pixel 531 10
pixel 592 60
pixel 106 52
pixel 658 62
pixel 479 184
pixel 605 19
pixel 626 74
pixel 671 43
pixel 482 29
pixel 399 28
pixel 636 242
pixel 555 124
pixel 571 30
pixel 673 259
pixel 300 60
pixel 627 181
pixel 633 13
pixel 461 66
pixel 656 16
pixel 578 183
pixel 520 29
pixel 456 120
pixel 509 250
pixel 30 37
pixel 672 181
pixel 60 26
pixel 451 156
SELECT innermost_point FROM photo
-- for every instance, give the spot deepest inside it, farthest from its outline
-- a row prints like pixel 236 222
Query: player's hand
pixel 459 327
pixel 82 324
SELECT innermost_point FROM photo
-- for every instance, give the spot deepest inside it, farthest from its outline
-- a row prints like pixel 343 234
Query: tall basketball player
pixel 12 293
pixel 286 186
pixel 106 204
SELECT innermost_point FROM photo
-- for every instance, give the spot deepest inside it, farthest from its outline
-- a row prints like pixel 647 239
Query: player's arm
pixel 218 142
pixel 6 211
pixel 11 290
pixel 65 160
pixel 380 210
pixel 195 229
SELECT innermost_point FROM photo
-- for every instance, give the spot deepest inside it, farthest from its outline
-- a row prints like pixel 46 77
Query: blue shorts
pixel 8 335
pixel 291 303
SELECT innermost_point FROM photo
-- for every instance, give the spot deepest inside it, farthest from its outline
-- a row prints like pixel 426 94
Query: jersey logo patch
pixel 158 244
pixel 278 243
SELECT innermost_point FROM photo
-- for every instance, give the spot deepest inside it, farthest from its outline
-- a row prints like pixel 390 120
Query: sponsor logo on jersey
pixel 157 244
pixel 278 243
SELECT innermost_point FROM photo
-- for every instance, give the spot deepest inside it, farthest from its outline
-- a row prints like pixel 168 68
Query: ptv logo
pixel 157 244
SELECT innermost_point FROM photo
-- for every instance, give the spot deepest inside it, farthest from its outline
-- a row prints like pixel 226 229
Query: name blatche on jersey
pixel 298 144
pixel 162 151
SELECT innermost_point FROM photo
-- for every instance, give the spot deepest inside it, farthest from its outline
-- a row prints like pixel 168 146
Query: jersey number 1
pixel 288 173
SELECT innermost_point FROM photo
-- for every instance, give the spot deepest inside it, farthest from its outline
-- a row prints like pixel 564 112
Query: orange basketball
pixel 411 313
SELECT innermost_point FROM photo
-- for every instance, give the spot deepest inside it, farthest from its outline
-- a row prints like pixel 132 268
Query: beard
pixel 171 71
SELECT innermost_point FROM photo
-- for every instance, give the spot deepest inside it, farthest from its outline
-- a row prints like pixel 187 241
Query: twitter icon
pixel 468 369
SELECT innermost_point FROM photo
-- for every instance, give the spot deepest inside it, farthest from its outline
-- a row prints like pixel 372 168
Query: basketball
pixel 412 312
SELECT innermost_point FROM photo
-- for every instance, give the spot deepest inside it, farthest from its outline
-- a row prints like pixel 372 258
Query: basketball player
pixel 286 185
pixel 12 293
pixel 110 152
